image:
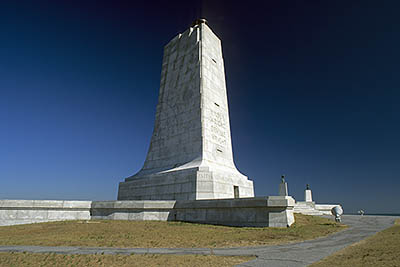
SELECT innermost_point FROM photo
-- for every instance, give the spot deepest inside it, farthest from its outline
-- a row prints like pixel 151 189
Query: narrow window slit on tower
pixel 219 150
pixel 216 104
pixel 214 61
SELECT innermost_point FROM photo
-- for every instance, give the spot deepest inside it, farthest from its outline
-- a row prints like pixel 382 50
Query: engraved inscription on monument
pixel 218 128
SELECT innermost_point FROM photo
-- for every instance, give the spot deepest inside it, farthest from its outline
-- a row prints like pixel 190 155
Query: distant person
pixel 361 212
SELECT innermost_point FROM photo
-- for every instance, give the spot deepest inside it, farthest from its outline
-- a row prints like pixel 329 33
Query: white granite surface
pixel 190 155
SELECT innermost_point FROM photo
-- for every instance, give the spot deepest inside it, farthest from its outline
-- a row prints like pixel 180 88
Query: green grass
pixel 382 249
pixel 156 234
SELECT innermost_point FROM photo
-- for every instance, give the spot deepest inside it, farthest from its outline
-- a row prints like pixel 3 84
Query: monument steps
pixel 307 208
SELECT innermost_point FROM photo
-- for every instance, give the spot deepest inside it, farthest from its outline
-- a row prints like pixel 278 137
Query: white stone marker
pixel 308 194
pixel 190 155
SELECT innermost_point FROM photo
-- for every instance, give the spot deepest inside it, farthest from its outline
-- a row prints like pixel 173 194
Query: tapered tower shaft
pixel 190 155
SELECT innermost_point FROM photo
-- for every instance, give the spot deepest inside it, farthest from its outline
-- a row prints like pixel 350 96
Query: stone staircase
pixel 307 208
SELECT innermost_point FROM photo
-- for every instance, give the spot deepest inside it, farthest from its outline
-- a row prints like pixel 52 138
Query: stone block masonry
pixel 273 211
pixel 36 211
pixel 190 155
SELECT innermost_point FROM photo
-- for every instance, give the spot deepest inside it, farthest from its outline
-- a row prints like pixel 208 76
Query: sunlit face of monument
pixel 190 155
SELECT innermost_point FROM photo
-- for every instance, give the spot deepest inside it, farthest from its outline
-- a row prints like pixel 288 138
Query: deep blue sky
pixel 313 90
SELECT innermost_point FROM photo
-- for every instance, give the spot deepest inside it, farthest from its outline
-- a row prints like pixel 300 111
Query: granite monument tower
pixel 190 155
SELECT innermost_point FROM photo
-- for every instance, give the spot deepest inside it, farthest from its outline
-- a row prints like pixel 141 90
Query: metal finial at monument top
pixel 283 178
pixel 307 187
pixel 199 21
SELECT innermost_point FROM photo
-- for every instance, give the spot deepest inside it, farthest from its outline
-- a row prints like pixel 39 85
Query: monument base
pixel 186 184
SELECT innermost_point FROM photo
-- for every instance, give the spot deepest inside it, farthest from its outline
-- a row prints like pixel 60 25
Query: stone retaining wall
pixel 35 211
pixel 273 211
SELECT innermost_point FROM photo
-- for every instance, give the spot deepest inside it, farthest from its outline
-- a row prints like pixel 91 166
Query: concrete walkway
pixel 305 253
pixel 294 254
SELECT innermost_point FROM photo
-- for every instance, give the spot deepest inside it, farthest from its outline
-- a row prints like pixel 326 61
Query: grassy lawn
pixel 156 234
pixel 32 259
pixel 382 249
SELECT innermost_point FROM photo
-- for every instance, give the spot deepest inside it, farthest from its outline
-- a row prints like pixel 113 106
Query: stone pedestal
pixel 283 189
pixel 190 155
pixel 308 195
